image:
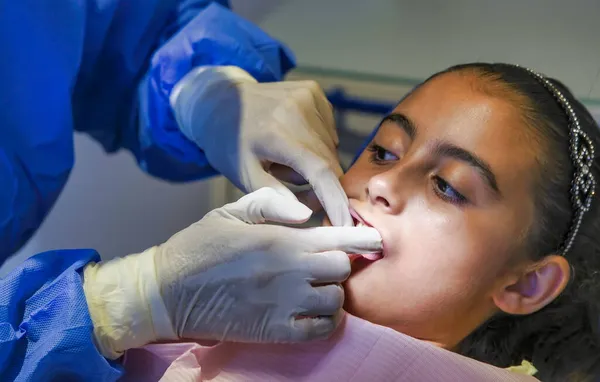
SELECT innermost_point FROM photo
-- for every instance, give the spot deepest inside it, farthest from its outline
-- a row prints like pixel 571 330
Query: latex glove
pixel 228 278
pixel 247 128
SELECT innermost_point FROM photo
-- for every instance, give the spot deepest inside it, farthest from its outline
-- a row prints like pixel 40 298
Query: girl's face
pixel 448 182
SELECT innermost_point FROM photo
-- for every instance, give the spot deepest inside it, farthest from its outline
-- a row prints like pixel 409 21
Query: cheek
pixel 440 266
pixel 439 249
pixel 463 252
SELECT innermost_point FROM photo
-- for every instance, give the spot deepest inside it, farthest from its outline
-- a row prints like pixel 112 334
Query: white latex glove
pixel 227 277
pixel 251 131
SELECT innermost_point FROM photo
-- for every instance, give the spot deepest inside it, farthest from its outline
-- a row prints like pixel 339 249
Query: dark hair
pixel 562 340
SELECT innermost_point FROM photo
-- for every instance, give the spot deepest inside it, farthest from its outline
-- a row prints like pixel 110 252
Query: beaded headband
pixel 583 185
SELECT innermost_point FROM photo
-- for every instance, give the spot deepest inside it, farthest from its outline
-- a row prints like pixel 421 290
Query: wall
pixel 416 38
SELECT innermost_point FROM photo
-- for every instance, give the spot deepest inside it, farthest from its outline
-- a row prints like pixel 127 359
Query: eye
pixel 447 192
pixel 380 154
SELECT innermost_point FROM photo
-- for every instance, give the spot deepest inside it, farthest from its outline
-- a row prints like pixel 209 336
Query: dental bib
pixel 358 351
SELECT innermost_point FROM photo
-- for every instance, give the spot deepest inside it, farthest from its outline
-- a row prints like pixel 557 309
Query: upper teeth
pixel 360 224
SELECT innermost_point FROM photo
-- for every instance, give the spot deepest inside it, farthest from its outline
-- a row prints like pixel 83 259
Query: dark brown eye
pixel 380 154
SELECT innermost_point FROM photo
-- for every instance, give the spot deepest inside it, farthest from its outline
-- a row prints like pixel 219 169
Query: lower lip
pixel 372 256
pixel 366 256
pixel 361 263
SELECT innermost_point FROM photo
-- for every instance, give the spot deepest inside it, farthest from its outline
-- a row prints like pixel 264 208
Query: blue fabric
pixel 106 68
pixel 215 37
pixel 45 328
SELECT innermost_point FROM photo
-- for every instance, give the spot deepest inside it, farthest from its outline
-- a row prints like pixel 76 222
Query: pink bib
pixel 359 351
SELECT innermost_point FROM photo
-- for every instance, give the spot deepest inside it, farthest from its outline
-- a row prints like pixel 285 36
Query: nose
pixel 383 191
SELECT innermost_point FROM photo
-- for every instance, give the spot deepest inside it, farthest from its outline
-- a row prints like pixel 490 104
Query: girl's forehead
pixel 457 106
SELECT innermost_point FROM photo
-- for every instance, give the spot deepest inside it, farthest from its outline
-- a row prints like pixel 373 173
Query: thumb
pixel 268 204
pixel 260 178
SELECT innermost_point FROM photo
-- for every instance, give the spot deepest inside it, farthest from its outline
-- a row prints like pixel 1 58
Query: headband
pixel 581 148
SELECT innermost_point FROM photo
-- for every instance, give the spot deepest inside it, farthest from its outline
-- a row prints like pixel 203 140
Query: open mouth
pixel 360 222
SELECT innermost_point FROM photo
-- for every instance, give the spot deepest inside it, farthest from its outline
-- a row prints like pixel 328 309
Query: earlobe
pixel 535 287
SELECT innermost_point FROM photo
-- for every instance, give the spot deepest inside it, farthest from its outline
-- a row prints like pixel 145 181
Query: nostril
pixel 382 200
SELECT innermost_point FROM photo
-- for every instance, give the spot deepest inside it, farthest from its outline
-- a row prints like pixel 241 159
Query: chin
pixel 355 296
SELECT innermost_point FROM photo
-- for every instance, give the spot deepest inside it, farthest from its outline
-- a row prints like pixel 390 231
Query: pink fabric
pixel 359 351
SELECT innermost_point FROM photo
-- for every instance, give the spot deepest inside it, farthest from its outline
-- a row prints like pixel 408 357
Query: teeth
pixel 359 224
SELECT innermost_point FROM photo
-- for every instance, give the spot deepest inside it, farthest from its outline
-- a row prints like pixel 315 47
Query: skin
pixel 453 237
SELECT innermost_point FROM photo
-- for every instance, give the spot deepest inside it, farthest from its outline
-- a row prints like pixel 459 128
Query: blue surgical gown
pixel 105 68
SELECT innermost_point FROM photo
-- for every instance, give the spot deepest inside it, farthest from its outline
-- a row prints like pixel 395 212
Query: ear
pixel 535 287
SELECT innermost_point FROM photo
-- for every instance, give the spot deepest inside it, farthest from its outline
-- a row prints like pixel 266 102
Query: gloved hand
pixel 227 277
pixel 250 131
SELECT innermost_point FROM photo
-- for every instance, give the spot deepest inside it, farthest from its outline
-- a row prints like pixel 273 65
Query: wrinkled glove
pixel 250 131
pixel 227 277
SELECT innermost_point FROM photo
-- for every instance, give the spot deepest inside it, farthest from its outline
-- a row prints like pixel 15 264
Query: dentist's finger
pixel 346 239
pixel 327 267
pixel 325 300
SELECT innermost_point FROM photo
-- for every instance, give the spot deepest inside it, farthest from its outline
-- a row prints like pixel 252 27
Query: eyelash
pixel 378 157
pixel 376 150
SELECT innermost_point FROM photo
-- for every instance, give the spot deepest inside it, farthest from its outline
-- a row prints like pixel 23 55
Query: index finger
pixel 333 198
pixel 322 171
pixel 347 239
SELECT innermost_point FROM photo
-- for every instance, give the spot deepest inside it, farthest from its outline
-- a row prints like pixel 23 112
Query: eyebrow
pixel 403 122
pixel 458 153
pixel 447 149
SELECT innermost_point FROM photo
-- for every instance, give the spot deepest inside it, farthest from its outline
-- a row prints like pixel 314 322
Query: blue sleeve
pixel 106 68
pixel 37 70
pixel 46 333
